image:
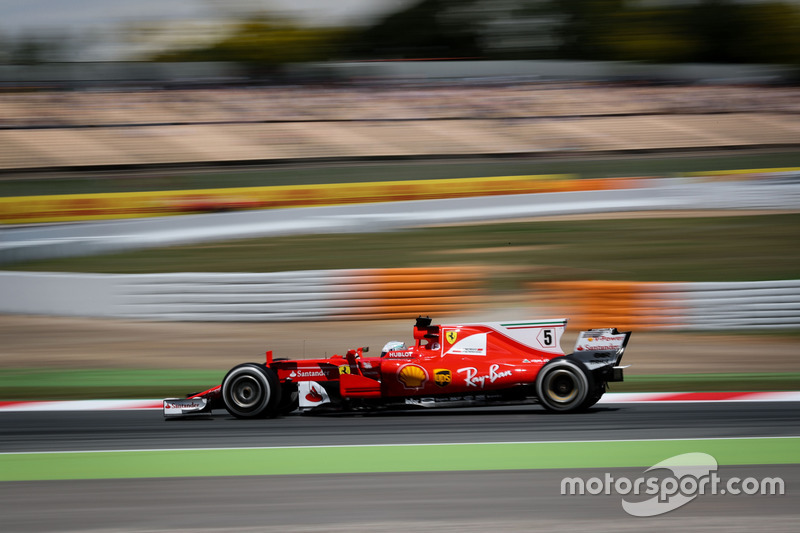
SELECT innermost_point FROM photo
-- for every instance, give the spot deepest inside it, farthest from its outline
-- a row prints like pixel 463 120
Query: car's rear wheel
pixel 564 386
pixel 595 395
pixel 251 390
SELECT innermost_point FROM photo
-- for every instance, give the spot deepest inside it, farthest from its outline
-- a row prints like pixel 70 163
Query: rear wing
pixel 606 341
pixel 600 350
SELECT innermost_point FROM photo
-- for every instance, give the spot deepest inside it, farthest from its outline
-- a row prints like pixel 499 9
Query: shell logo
pixel 412 376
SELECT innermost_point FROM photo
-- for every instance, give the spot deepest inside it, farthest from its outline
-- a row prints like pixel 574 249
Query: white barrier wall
pixel 59 294
pixel 742 305
pixel 269 297
pixel 302 295
pixel 386 293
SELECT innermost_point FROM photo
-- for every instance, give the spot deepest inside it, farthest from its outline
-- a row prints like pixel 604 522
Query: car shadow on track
pixel 418 413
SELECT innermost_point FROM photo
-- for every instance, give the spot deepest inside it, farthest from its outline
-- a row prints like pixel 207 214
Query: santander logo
pixel 314 396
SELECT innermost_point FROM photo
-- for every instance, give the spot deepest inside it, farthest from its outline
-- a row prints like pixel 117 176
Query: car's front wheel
pixel 564 386
pixel 251 390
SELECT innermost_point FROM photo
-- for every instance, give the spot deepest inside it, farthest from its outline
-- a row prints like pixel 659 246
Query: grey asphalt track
pixel 422 501
pixel 130 430
pixel 419 502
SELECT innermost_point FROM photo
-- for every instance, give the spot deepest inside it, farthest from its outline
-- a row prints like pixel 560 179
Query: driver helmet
pixel 392 346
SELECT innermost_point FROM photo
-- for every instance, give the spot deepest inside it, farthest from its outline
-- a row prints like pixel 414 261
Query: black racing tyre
pixel 251 390
pixel 595 395
pixel 564 386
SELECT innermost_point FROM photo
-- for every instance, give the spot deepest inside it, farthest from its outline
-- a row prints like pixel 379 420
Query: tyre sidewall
pixel 581 377
pixel 262 379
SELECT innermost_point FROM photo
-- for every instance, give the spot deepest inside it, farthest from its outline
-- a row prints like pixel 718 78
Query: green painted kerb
pixel 364 459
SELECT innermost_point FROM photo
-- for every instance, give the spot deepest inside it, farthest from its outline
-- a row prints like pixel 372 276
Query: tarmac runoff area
pixel 448 502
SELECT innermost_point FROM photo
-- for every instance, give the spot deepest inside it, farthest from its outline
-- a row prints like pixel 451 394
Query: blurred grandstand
pixel 123 126
pixel 422 78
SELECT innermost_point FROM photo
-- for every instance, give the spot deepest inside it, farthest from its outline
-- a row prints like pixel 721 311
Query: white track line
pixel 400 445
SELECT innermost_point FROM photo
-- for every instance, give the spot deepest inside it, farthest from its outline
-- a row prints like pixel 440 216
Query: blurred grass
pixel 37 384
pixel 610 166
pixel 731 248
pixel 775 381
pixel 79 384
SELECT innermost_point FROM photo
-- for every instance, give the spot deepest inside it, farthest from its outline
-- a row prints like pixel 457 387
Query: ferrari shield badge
pixel 451 336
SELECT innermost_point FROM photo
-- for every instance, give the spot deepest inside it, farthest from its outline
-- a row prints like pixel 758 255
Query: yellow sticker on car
pixel 442 377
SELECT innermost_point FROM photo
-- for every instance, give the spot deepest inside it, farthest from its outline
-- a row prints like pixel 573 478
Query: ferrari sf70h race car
pixel 447 366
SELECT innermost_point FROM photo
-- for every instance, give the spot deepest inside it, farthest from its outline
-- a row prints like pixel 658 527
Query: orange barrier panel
pixel 404 292
pixel 621 304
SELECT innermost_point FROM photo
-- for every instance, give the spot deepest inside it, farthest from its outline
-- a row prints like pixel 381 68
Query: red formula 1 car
pixel 448 366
